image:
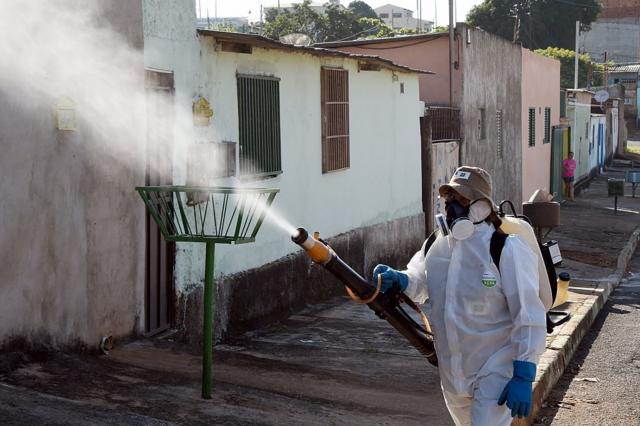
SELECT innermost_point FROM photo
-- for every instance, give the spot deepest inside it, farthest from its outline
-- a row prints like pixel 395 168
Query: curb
pixel 559 353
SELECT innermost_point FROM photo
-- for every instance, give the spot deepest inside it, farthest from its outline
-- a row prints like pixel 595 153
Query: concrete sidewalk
pixel 334 363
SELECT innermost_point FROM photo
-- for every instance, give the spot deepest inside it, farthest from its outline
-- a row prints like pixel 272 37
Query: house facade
pixel 267 279
pixel 398 17
pixel 540 113
pixel 628 75
pixel 491 109
pixel 578 112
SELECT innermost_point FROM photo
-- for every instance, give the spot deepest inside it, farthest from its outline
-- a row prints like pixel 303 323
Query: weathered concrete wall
pixel 619 39
pixel 256 297
pixel 430 54
pixel 540 90
pixel 72 240
pixel 492 81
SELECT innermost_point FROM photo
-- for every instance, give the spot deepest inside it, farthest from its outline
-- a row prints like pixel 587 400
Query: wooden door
pixel 160 254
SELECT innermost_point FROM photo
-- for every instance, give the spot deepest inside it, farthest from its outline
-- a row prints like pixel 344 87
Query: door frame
pixel 163 305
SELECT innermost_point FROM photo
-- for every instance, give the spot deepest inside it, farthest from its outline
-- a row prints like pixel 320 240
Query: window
pixel 482 128
pixel 397 14
pixel 334 98
pixel 499 132
pixel 384 16
pixel 547 125
pixel 259 122
pixel 532 126
pixel 628 101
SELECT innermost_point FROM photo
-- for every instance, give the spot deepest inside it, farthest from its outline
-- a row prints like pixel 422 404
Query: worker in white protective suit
pixel 488 321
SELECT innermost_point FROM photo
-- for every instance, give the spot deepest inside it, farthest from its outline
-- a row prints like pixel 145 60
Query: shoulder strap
pixel 430 240
pixel 497 243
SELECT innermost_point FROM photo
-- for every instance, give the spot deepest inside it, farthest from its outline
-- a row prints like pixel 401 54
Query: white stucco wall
pixel 383 182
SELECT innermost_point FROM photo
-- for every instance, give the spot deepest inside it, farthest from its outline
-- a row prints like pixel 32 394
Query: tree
pixel 535 23
pixel 340 24
pixel 337 23
pixel 303 20
pixel 375 28
pixel 589 73
pixel 362 10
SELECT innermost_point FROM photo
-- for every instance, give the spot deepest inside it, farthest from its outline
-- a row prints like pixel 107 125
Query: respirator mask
pixel 460 220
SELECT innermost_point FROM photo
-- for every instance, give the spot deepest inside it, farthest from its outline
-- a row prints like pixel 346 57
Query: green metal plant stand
pixel 210 215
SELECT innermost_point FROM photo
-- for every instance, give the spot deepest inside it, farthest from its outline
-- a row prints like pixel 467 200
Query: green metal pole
pixel 207 327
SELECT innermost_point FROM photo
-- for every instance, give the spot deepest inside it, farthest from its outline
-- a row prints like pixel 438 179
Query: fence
pixel 445 123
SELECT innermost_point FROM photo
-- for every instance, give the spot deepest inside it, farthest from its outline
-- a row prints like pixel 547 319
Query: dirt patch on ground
pixel 591 258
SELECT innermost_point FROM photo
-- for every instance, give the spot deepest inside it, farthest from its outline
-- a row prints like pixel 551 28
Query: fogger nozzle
pixel 317 250
pixel 386 306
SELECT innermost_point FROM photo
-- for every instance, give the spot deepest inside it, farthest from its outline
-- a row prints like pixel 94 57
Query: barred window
pixel 334 98
pixel 259 122
pixel 532 126
pixel 499 132
pixel 547 125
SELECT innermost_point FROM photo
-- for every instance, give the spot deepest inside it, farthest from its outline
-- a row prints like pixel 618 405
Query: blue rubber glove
pixel 390 277
pixel 517 393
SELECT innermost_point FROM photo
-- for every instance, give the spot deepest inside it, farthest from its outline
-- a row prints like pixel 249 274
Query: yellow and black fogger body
pixel 386 305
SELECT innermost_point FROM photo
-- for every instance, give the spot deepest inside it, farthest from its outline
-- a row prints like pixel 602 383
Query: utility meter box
pixel 615 187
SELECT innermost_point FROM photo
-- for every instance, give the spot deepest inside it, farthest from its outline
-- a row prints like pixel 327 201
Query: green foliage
pixel 375 28
pixel 340 23
pixel 362 10
pixel 589 73
pixel 542 23
pixel 441 29
pixel 337 23
pixel 303 20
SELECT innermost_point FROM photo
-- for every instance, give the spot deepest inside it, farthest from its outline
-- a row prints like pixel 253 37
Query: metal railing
pixel 445 123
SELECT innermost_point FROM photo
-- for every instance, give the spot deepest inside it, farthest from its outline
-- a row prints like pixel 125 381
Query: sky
pixel 251 8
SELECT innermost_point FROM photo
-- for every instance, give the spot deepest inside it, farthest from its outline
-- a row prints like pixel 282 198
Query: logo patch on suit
pixel 489 280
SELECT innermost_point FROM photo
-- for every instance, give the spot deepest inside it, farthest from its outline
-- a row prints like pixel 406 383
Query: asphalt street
pixel 601 385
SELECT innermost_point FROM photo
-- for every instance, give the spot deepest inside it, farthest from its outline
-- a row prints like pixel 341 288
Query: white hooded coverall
pixel 483 318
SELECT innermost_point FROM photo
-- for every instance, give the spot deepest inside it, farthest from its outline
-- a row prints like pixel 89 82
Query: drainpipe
pixel 451 70
pixel 451 44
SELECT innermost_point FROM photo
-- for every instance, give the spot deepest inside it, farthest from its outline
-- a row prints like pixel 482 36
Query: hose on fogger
pixel 386 305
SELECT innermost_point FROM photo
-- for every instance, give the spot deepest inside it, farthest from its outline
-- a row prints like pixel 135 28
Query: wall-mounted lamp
pixel 202 111
pixel 65 114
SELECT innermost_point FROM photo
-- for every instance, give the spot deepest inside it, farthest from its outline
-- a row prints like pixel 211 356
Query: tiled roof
pixel 625 68
pixel 263 42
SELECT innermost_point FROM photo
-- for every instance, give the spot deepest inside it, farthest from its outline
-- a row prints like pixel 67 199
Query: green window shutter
pixel 532 126
pixel 334 100
pixel 259 125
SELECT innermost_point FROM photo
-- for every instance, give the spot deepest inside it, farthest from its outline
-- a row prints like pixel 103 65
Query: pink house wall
pixel 431 54
pixel 540 89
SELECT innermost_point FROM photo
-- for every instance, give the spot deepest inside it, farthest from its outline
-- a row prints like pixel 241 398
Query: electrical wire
pixel 577 4
pixel 398 46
